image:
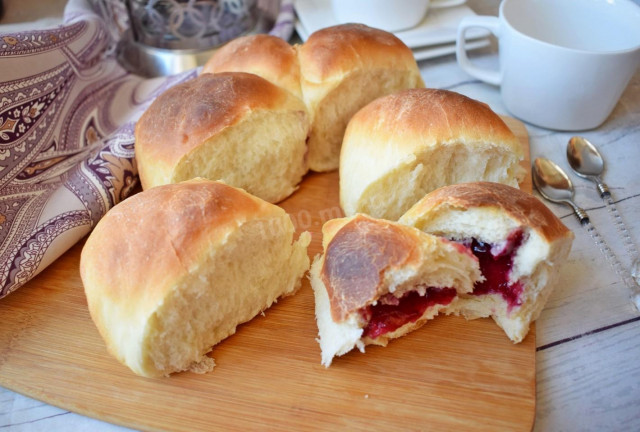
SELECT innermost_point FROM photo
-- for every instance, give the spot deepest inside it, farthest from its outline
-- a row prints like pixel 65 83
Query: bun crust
pixel 355 281
pixel 368 261
pixel 190 128
pixel 404 145
pixel 332 52
pixel 171 271
pixel 495 214
pixel 429 117
pixel 342 69
pixel 264 55
pixel 520 206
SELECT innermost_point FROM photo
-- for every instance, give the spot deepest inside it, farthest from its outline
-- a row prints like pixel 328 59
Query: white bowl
pixel 389 15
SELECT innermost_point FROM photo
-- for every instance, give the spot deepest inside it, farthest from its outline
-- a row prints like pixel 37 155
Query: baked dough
pixel 343 68
pixel 520 242
pixel 171 271
pixel 235 126
pixel 378 280
pixel 402 146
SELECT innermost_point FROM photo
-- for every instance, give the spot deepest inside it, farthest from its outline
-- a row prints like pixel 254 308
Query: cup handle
pixel 491 23
pixel 437 4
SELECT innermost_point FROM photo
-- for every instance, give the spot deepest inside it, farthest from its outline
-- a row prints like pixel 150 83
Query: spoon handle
pixel 630 247
pixel 614 262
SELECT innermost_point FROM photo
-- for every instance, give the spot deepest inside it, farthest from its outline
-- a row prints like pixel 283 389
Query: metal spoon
pixel 555 185
pixel 586 161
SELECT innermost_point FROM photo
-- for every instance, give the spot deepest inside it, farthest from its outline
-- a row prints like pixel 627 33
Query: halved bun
pixel 378 280
pixel 232 126
pixel 520 242
pixel 171 271
pixel 343 68
pixel 402 146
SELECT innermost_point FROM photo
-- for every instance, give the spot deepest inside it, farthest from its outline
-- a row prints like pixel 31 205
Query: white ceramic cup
pixel 389 15
pixel 563 63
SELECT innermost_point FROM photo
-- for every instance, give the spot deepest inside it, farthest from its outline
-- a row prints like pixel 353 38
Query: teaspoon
pixel 586 161
pixel 555 185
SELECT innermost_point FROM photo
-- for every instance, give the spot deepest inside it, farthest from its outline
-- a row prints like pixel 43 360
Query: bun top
pixel 358 251
pixel 520 206
pixel 142 247
pixel 335 51
pixel 186 115
pixel 267 56
pixel 424 117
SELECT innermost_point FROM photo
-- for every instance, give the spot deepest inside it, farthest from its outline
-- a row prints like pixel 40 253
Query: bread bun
pixel 402 146
pixel 171 271
pixel 236 127
pixel 267 56
pixel 378 280
pixel 342 69
pixel 520 243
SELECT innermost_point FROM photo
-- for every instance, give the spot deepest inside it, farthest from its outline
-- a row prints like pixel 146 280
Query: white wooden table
pixel 588 337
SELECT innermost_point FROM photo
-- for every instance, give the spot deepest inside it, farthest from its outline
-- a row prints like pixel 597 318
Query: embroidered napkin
pixel 67 115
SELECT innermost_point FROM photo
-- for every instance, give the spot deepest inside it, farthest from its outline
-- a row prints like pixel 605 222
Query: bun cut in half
pixel 378 280
pixel 232 126
pixel 173 270
pixel 343 68
pixel 519 242
pixel 402 146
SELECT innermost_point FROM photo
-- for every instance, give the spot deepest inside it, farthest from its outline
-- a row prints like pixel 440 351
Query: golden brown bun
pixel 366 259
pixel 171 271
pixel 342 69
pixel 402 146
pixel 491 213
pixel 495 198
pixel 233 126
pixel 267 56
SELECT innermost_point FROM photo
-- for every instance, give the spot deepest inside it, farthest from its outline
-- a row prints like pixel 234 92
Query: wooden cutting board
pixel 449 375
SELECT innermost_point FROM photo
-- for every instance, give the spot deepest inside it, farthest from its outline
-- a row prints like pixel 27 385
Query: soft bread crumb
pixel 205 365
pixel 198 259
pixel 402 146
pixel 199 315
pixel 335 340
pixel 490 212
pixel 271 165
pixel 334 111
pixel 430 261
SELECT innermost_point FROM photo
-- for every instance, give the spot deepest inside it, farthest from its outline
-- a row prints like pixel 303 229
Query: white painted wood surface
pixel 588 337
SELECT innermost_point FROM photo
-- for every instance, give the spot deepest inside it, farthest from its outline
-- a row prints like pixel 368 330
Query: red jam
pixel 391 313
pixel 495 266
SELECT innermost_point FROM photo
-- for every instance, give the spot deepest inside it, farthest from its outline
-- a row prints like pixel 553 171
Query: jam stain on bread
pixel 378 280
pixel 520 244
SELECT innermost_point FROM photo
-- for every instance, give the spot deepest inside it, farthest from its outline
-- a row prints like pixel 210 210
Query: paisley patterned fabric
pixel 67 115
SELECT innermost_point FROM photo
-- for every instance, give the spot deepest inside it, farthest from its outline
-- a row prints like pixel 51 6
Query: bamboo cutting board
pixel 449 375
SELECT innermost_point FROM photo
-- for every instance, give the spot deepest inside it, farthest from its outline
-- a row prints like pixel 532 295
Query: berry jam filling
pixel 390 313
pixel 495 264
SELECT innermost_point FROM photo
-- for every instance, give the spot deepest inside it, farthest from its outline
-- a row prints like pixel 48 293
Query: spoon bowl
pixel 551 181
pixel 555 185
pixel 584 158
